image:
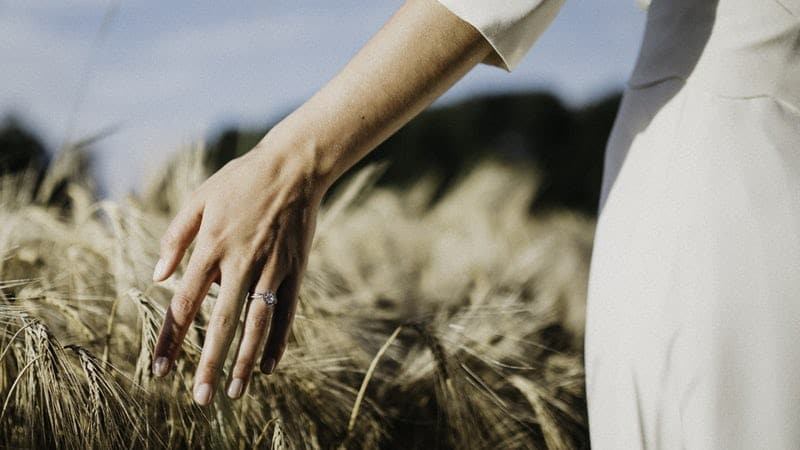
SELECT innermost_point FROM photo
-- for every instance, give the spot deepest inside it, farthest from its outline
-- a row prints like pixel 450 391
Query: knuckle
pixel 205 263
pixel 213 367
pixel 244 367
pixel 225 322
pixel 182 305
pixel 215 231
pixel 173 345
pixel 232 265
pixel 211 247
pixel 166 341
pixel 261 320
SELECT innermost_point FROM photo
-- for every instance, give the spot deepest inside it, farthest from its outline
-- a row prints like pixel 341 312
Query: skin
pixel 253 221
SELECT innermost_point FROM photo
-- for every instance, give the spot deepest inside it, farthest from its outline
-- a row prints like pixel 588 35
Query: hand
pixel 254 219
pixel 254 222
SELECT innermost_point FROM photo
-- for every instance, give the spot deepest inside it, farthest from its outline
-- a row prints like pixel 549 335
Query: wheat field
pixel 456 324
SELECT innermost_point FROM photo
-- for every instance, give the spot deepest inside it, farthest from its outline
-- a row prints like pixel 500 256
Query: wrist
pixel 298 152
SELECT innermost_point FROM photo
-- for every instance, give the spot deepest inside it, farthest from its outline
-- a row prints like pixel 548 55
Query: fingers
pixel 281 322
pixel 221 330
pixel 176 239
pixel 256 324
pixel 194 286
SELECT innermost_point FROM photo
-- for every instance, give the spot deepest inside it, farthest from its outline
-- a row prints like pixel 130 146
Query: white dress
pixel 693 311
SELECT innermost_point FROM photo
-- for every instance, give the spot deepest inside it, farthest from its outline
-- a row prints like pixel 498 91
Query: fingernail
pixel 235 389
pixel 268 366
pixel 158 273
pixel 161 366
pixel 202 394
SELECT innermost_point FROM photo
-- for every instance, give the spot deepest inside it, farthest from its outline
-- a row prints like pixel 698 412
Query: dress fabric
pixel 693 309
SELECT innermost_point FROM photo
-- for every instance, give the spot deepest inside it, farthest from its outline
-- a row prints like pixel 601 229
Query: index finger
pixel 177 237
pixel 194 286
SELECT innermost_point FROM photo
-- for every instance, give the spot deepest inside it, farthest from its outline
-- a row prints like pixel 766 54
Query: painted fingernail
pixel 158 273
pixel 161 366
pixel 268 365
pixel 202 394
pixel 235 389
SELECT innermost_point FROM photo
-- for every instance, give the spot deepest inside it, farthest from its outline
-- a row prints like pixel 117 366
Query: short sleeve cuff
pixel 510 26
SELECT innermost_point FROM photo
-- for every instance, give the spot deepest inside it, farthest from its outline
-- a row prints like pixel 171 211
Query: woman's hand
pixel 254 219
pixel 254 222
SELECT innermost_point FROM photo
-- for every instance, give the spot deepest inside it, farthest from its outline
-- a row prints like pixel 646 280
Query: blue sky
pixel 164 75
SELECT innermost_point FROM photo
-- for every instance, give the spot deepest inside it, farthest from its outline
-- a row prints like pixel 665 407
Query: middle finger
pixel 221 329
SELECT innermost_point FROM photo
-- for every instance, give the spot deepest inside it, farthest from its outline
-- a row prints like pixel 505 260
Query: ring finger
pixel 258 317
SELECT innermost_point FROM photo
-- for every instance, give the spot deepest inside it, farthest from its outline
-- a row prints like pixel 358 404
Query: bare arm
pixel 422 51
pixel 254 219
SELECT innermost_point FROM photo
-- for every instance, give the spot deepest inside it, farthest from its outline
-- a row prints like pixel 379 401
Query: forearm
pixel 255 236
pixel 422 51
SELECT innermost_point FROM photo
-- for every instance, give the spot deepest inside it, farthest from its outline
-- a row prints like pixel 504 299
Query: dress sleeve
pixel 510 26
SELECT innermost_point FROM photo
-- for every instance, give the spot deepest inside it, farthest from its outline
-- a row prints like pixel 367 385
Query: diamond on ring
pixel 268 296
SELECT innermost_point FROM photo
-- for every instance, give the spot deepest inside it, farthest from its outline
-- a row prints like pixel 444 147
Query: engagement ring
pixel 268 296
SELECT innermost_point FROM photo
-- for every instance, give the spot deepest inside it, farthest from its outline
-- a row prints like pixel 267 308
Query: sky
pixel 156 77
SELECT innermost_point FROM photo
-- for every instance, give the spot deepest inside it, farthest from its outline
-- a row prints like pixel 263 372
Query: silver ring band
pixel 267 296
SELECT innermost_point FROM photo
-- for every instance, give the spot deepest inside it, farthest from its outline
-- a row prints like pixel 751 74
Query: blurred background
pixel 135 81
